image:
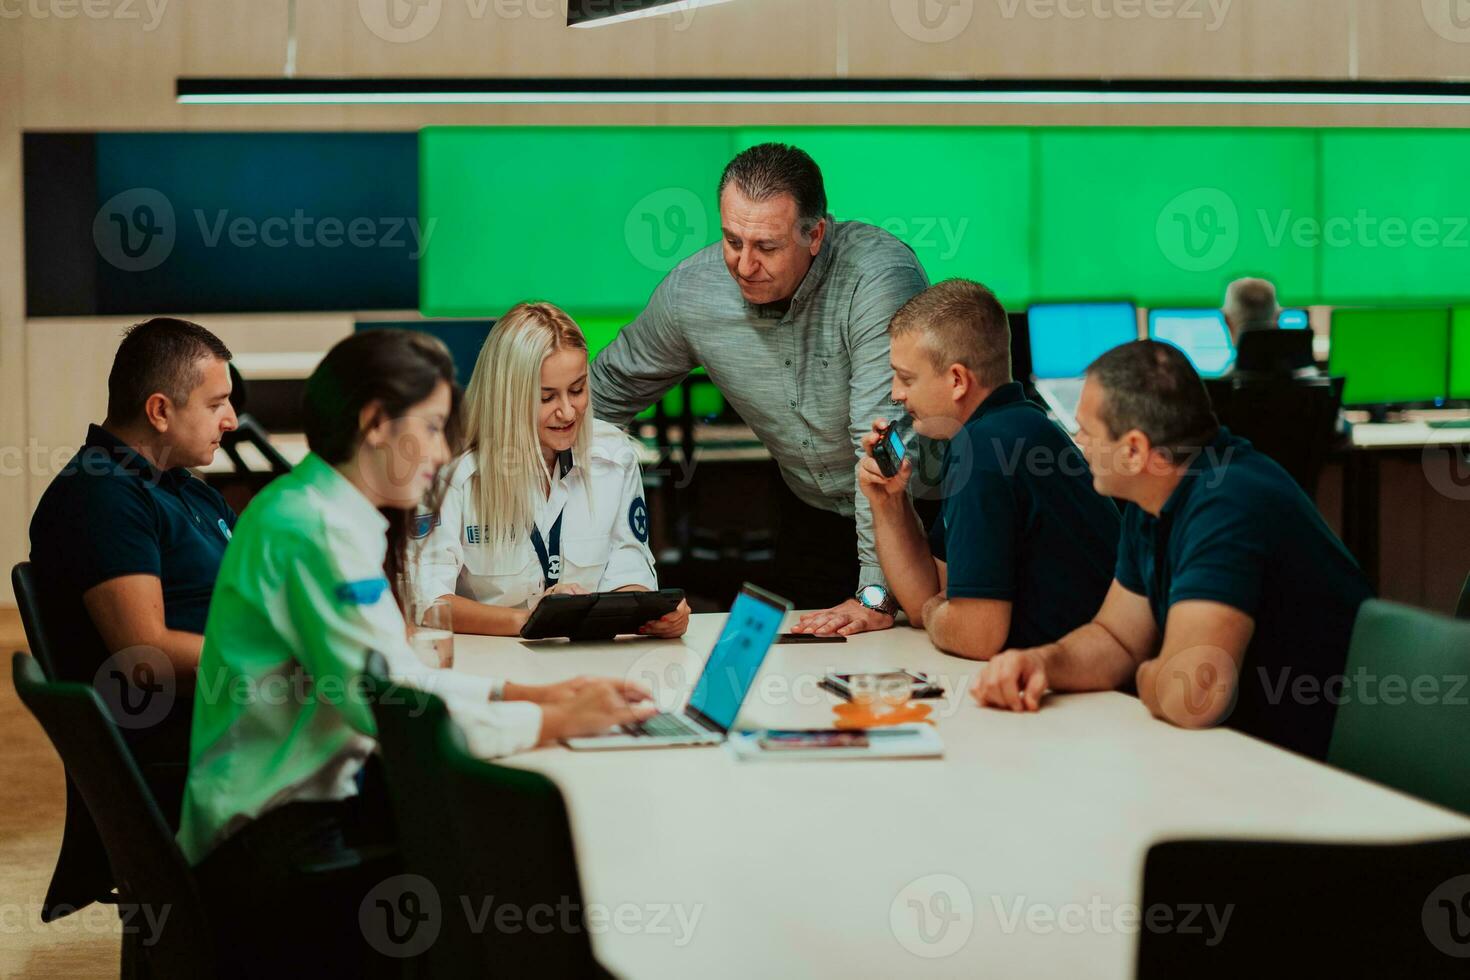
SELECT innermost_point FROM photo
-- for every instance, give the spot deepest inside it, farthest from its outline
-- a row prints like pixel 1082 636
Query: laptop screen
pixel 1066 337
pixel 749 631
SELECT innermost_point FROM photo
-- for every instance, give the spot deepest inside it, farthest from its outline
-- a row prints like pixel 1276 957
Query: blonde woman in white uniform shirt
pixel 546 499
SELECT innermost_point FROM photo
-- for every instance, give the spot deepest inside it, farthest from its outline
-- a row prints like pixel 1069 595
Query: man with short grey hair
pixel 789 315
pixel 1250 304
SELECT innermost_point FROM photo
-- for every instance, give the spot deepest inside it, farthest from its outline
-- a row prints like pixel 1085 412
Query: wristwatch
pixel 878 599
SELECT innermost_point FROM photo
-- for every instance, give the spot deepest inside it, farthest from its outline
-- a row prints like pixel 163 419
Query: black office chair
pixel 525 859
pixel 409 726
pixel 82 875
pixel 1462 608
pixel 149 868
pixel 1277 352
pixel 1305 909
pixel 248 430
pixel 479 833
pixel 1292 420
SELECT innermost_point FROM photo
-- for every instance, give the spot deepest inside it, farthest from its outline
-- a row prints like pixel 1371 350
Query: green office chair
pixel 1462 610
pixel 1386 731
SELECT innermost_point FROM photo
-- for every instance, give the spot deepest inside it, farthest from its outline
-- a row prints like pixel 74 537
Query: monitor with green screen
pixel 1390 357
pixel 1460 352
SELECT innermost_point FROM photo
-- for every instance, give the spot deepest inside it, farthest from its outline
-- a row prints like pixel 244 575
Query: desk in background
pixel 1404 506
pixel 808 869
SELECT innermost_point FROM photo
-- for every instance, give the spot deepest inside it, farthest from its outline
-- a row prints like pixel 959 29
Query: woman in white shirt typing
pixel 546 499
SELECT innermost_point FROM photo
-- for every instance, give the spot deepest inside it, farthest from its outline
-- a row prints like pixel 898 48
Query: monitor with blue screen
pixel 1066 337
pixel 1201 334
pixel 1293 320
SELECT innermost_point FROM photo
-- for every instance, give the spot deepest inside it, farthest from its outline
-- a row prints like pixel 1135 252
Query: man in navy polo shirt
pixel 1229 587
pixel 126 542
pixel 1024 548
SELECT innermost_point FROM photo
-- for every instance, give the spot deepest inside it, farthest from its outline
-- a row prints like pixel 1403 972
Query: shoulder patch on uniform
pixel 363 592
pixel 423 524
pixel 638 520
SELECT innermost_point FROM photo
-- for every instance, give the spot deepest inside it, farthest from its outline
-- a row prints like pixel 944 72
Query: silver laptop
pixel 755 620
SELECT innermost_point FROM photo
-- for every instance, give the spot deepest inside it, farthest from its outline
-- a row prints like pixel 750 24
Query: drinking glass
pixel 433 633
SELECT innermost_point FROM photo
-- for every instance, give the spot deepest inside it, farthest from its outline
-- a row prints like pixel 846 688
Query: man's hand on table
pixel 1013 680
pixel 846 619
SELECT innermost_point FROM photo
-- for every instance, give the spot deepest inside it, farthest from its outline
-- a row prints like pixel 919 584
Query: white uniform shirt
pixel 604 534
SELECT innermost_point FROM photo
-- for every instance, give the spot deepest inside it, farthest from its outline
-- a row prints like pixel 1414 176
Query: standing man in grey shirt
pixel 789 315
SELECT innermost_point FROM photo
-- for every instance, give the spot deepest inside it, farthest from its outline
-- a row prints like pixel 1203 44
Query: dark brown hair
pixel 1152 387
pixel 397 369
pixel 158 356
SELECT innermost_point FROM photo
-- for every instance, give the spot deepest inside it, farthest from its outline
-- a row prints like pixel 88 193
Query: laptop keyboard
pixel 661 724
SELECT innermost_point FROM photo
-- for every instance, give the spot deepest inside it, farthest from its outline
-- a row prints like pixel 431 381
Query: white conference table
pixel 864 868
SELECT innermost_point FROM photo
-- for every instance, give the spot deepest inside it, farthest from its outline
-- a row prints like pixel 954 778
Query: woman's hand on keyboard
pixel 596 705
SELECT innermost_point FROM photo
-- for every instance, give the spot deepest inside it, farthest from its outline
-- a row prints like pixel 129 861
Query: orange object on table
pixel 851 715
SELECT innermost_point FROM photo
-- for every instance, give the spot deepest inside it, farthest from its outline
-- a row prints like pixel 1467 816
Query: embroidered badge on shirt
pixel 363 592
pixel 638 520
pixel 225 529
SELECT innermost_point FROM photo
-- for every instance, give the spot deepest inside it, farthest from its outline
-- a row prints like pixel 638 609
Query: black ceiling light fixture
pixel 597 13
pixel 828 91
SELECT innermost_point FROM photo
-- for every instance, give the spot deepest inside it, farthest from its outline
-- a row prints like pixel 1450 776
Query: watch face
pixel 874 595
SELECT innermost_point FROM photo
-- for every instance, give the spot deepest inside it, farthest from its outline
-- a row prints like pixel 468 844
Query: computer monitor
pixel 1067 337
pixel 1460 352
pixel 1293 320
pixel 1201 334
pixel 1390 357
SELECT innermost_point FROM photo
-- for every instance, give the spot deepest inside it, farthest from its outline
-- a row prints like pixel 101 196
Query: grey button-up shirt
pixel 808 380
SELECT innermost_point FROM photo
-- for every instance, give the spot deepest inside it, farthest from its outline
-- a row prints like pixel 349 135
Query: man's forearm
pixel 1087 659
pixel 904 556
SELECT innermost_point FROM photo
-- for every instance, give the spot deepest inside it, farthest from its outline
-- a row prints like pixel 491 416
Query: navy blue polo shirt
pixel 1021 521
pixel 1239 531
pixel 111 513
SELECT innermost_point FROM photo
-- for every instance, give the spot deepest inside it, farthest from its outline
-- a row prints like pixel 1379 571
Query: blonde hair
pixel 501 416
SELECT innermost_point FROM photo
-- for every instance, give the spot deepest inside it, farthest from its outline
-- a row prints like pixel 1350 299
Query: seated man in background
pixel 1251 308
pixel 1250 304
pixel 1025 547
pixel 1229 589
pixel 126 542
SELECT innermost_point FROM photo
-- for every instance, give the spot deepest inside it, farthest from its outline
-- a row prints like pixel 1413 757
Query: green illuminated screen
pixel 593 217
pixel 1390 356
pixel 1395 216
pixel 1460 352
pixel 1167 217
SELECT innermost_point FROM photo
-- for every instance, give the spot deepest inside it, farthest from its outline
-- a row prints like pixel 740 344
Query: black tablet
pixel 598 615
